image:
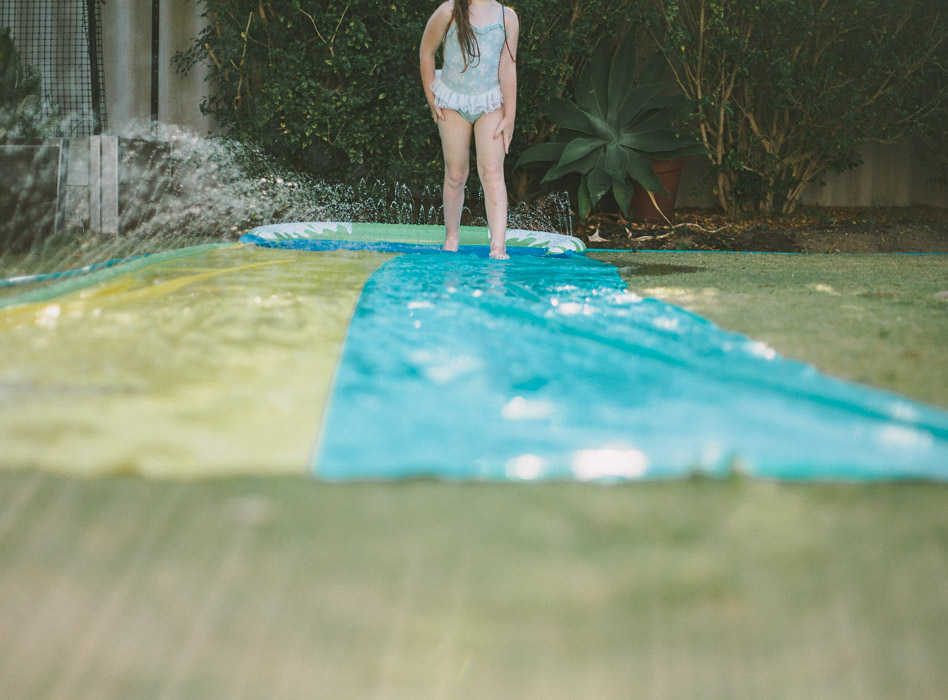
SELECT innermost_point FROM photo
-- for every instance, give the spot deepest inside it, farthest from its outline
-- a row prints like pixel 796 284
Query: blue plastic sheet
pixel 541 368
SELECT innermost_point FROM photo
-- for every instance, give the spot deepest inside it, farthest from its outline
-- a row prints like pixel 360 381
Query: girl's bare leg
pixel 490 169
pixel 456 145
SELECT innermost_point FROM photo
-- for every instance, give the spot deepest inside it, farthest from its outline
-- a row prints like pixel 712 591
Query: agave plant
pixel 618 123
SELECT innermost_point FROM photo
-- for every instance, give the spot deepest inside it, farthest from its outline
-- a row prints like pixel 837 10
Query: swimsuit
pixel 476 90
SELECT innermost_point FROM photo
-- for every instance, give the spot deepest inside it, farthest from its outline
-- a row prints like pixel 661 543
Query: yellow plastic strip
pixel 217 363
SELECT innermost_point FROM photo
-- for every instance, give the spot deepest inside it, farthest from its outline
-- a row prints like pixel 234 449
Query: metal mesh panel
pixel 63 40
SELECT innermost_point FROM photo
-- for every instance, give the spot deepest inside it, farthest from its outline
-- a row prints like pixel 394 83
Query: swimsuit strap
pixel 443 38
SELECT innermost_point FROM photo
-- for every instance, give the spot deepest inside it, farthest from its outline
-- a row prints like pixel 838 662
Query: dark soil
pixel 812 230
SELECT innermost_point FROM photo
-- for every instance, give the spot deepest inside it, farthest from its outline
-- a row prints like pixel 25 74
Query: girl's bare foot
pixel 498 252
pixel 451 241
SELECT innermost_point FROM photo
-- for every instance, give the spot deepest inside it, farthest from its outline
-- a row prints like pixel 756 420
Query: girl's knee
pixel 491 174
pixel 455 177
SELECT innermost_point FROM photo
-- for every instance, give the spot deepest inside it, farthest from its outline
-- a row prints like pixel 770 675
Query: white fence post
pixel 103 184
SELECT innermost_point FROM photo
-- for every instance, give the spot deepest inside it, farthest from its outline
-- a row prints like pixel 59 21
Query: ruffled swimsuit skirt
pixel 476 90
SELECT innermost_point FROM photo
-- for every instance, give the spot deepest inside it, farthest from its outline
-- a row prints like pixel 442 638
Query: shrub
pixel 790 89
pixel 332 87
pixel 20 98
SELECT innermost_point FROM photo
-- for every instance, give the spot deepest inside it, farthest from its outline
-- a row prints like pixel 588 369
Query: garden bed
pixel 812 230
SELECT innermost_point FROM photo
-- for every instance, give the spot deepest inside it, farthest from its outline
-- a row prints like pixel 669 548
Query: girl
pixel 475 92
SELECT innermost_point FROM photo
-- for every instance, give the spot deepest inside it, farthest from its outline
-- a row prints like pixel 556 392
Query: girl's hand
pixel 436 112
pixel 505 131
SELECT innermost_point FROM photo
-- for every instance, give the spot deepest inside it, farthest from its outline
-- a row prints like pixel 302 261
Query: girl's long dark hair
pixel 469 46
pixel 462 19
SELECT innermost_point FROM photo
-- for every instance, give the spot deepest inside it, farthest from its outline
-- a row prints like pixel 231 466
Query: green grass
pixel 872 319
pixel 268 588
pixel 273 588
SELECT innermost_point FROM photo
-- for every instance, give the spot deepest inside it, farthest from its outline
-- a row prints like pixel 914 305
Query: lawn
pixel 281 587
pixel 120 587
pixel 873 319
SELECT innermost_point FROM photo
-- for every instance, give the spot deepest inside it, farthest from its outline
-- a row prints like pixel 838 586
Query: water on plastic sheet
pixel 215 363
pixel 460 368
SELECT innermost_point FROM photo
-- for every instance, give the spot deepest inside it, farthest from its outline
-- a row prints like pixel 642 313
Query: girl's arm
pixel 430 41
pixel 508 78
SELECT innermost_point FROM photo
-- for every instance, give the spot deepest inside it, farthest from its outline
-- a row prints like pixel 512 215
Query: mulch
pixel 811 230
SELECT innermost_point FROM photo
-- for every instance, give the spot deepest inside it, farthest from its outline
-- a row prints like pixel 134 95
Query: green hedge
pixel 332 86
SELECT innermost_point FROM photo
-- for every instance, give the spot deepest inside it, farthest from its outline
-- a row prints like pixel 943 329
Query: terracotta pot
pixel 669 172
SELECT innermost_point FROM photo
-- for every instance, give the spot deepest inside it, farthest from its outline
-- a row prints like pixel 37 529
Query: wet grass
pixel 872 318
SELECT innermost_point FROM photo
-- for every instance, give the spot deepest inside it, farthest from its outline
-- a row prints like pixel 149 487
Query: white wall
pixel 126 49
pixel 891 175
